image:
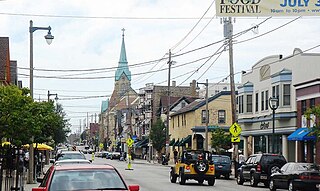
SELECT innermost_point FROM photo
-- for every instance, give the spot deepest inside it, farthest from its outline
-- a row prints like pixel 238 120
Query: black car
pixel 259 167
pixel 296 176
pixel 222 165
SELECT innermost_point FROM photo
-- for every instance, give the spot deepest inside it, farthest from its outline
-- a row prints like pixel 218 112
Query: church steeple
pixel 123 63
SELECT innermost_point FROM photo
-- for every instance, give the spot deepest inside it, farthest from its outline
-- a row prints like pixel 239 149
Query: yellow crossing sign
pixel 130 142
pixel 235 129
pixel 235 139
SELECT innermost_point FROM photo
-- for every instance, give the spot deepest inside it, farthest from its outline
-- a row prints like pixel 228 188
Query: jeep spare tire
pixel 201 167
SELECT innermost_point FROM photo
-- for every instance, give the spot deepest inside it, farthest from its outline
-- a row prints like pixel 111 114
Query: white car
pixel 72 161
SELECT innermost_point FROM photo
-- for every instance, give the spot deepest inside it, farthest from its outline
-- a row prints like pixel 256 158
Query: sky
pixel 80 63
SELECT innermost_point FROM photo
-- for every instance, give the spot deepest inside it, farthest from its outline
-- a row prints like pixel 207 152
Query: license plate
pixel 263 177
pixel 220 166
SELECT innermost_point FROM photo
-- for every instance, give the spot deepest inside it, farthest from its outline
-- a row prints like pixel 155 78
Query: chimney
pixel 193 88
pixel 173 83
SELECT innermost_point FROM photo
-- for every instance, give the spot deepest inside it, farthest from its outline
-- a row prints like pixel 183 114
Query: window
pixel 178 120
pixel 303 106
pixel 312 102
pixel 173 122
pixel 183 104
pixel 267 99
pixel 257 102
pixel 286 94
pixel 221 116
pixel 203 116
pixel 249 103
pixel 262 101
pixel 275 91
pixel 185 121
pixel 240 104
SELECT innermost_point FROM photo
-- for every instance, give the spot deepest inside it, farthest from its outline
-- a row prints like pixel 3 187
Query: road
pixel 155 177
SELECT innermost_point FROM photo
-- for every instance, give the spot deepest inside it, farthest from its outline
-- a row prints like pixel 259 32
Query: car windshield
pixel 70 180
pixel 221 159
pixel 65 156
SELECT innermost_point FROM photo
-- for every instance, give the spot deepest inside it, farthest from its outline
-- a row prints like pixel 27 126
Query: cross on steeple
pixel 123 32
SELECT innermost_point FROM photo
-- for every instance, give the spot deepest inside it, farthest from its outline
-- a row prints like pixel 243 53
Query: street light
pixel 49 94
pixel 49 39
pixel 207 114
pixel 273 103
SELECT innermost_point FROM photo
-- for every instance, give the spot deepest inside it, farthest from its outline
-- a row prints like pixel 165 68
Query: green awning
pixel 176 143
pixel 172 142
pixel 141 143
pixel 187 140
pixel 181 142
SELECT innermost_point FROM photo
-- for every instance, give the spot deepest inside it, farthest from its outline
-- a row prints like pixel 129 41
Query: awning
pixel 141 143
pixel 176 143
pixel 187 139
pixel 172 142
pixel 181 142
pixel 301 134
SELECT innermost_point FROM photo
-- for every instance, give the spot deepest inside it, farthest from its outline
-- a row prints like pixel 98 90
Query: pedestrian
pixel 175 156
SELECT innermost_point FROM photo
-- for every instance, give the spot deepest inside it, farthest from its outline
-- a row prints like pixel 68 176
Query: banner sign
pixel 255 8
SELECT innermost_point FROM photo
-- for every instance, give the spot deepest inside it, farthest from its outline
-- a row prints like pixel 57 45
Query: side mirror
pixel 134 187
pixel 39 180
pixel 52 161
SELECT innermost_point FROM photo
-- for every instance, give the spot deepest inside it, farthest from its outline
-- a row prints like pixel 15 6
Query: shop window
pixel 260 144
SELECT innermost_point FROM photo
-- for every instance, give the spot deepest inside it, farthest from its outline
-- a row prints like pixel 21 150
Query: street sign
pixel 235 129
pixel 235 139
pixel 129 142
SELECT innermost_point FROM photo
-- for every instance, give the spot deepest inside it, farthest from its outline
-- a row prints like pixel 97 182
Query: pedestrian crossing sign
pixel 235 139
pixel 130 142
pixel 235 130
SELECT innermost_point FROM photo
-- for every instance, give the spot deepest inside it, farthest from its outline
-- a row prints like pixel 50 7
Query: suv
pixel 223 165
pixel 194 164
pixel 259 167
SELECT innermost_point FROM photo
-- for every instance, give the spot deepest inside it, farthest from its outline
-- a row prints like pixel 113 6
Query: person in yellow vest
pixel 92 156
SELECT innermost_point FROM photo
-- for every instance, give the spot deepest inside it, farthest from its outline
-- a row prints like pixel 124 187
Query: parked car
pixel 115 155
pixel 222 165
pixel 296 176
pixel 83 177
pixel 259 167
pixel 194 164
pixel 104 154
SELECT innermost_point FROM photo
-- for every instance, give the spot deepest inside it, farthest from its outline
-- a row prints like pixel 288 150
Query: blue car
pixel 222 165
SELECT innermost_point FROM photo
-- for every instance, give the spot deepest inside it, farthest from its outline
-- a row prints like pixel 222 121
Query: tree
pixel 220 140
pixel 158 135
pixel 314 111
pixel 19 113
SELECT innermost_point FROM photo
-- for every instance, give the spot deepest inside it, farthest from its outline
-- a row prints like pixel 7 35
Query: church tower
pixel 122 84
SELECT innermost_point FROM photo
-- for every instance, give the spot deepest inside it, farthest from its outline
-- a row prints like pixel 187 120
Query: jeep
pixel 194 164
pixel 259 167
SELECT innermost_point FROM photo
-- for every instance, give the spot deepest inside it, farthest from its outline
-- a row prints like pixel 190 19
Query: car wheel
pixel 240 180
pixel 182 179
pixel 200 181
pixel 201 167
pixel 211 181
pixel 253 181
pixel 173 177
pixel 272 187
pixel 291 186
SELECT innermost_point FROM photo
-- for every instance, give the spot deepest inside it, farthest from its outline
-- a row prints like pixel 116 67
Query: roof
pixel 187 99
pixel 123 63
pixel 199 103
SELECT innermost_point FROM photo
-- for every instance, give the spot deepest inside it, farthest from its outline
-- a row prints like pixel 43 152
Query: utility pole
pixel 168 106
pixel 228 32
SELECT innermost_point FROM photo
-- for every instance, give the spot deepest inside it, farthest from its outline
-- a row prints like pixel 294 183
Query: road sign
pixel 235 129
pixel 130 142
pixel 235 139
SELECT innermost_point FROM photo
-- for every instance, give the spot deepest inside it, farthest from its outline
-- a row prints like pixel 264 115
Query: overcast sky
pixel 87 37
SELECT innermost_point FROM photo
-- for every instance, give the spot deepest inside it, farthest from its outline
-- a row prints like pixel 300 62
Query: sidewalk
pixel 28 187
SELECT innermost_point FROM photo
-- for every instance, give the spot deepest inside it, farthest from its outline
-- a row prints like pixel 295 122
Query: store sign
pixel 255 8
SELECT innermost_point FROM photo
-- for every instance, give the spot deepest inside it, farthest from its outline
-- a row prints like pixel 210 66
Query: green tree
pixel 221 140
pixel 315 130
pixel 158 135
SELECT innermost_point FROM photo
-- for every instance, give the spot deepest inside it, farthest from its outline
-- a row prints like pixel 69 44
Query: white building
pixel 273 76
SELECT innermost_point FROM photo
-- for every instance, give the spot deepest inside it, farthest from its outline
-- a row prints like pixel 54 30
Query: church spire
pixel 123 63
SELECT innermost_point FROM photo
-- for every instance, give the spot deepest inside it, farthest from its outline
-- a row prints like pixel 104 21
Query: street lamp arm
pixel 32 29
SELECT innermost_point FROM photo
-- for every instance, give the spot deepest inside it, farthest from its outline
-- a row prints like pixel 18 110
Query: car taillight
pixel 259 168
pixel 309 177
pixel 188 167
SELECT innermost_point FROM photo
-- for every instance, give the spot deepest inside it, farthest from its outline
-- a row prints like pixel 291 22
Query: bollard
pixel 92 156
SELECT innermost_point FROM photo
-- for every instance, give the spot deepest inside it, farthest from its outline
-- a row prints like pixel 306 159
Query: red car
pixel 83 177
